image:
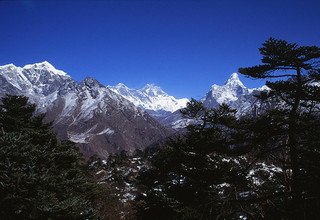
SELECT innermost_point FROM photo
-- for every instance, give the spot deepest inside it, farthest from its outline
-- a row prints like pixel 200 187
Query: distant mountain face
pixel 88 113
pixel 233 93
pixel 151 98
pixel 227 93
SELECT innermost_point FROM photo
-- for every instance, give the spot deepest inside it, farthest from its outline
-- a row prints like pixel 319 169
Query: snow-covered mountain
pixel 110 119
pixel 151 98
pixel 233 92
pixel 227 93
pixel 88 113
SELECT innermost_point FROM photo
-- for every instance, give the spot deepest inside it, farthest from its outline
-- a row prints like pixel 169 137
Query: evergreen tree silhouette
pixel 41 177
pixel 196 176
pixel 294 121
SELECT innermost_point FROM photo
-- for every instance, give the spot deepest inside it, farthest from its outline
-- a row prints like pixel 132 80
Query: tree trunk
pixel 293 145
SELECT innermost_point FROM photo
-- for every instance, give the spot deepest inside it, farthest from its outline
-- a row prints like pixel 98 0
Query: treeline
pixel 223 167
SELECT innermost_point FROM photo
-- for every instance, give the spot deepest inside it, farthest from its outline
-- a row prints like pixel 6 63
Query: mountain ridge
pixel 79 108
pixel 151 98
pixel 88 113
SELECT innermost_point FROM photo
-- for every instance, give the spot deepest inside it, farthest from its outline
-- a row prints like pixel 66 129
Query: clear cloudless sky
pixel 183 46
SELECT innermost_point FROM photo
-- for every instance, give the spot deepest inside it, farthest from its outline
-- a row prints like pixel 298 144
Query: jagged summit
pixel 92 82
pixel 234 80
pixel 234 76
pixel 233 93
pixel 45 65
pixel 39 78
pixel 151 86
pixel 42 67
pixel 151 97
pixel 9 65
pixel 230 91
pixel 153 90
pixel 121 85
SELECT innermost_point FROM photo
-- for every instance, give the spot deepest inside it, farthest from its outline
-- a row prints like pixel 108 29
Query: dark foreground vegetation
pixel 223 167
pixel 41 177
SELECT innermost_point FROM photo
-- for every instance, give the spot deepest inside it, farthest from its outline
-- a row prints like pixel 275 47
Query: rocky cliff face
pixel 99 120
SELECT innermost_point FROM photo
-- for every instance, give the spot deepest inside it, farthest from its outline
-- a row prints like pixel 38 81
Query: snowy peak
pixel 41 65
pixel 10 66
pixel 233 93
pixel 121 86
pixel 41 78
pixel 150 97
pixel 236 95
pixel 153 90
pixel 234 81
pixel 121 89
pixel 44 66
pixel 229 92
pixel 263 88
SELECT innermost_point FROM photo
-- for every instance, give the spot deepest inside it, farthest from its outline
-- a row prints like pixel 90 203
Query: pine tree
pixel 41 177
pixel 197 176
pixel 296 115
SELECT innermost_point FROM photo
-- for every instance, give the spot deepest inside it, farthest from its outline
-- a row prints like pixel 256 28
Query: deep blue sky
pixel 182 46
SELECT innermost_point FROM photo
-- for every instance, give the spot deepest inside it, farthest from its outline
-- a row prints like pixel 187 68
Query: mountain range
pixel 107 119
pixel 166 108
pixel 99 120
